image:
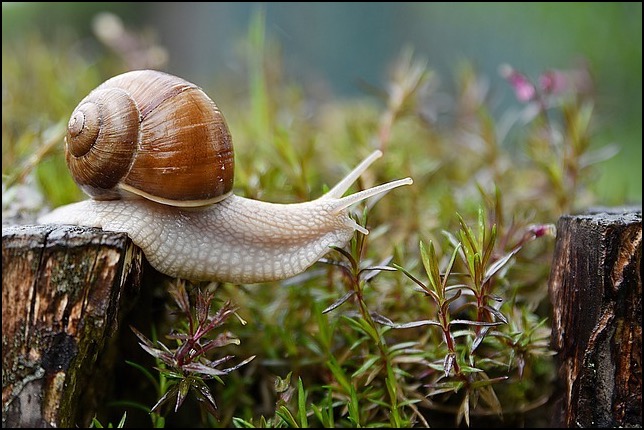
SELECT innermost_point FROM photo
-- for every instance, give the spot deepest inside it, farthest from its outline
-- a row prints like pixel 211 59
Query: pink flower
pixel 539 230
pixel 524 90
pixel 553 82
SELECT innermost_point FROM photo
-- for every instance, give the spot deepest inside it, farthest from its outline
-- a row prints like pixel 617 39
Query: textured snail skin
pixel 237 240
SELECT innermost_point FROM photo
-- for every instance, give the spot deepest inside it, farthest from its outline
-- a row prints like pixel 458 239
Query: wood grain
pixel 596 293
pixel 64 290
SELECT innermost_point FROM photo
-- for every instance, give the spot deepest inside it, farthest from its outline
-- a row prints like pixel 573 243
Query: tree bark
pixel 596 293
pixel 64 291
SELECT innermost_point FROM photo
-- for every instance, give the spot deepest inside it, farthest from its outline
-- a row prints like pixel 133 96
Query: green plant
pixel 466 367
pixel 186 368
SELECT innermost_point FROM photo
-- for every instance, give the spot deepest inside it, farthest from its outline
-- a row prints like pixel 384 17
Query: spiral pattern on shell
pixel 152 134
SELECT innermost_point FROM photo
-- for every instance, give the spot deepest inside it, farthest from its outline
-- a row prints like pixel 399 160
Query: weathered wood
pixel 596 293
pixel 64 290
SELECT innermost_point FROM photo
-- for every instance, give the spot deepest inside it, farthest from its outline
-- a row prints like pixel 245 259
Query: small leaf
pixel 451 299
pixel 520 365
pixel 479 338
pixel 339 375
pixel 448 363
pixel 287 416
pixel 223 339
pixel 217 362
pixel 352 261
pixel 466 233
pixel 372 271
pixel 338 302
pixel 495 298
pixel 174 335
pixel 431 267
pixel 202 307
pixel 368 273
pixel 164 348
pixel 491 271
pixel 470 369
pixel 450 265
pixel 354 408
pixel 180 295
pixel 499 316
pixel 368 328
pixel 121 423
pixel 375 371
pixel 169 374
pixel 489 248
pixel 218 319
pixel 243 424
pixel 604 153
pixel 488 395
pixel 404 346
pixel 203 394
pixel 96 423
pixel 381 319
pixel 465 289
pixel 325 414
pixel 365 366
pixel 379 268
pixel 488 381
pixel 476 274
pixel 243 363
pixel 481 227
pixel 142 337
pixel 161 355
pixel 182 393
pixel 452 386
pixel 202 369
pixel 476 323
pixel 301 404
pixel 416 324
pixel 464 410
pixel 424 287
pixel 169 394
pixel 334 263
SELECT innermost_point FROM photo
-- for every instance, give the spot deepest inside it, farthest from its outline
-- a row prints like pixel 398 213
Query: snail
pixel 155 154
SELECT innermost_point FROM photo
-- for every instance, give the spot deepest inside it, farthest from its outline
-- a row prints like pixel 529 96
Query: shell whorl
pixel 152 134
pixel 95 161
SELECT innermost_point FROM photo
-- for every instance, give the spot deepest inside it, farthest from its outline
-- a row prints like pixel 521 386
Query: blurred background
pixel 344 51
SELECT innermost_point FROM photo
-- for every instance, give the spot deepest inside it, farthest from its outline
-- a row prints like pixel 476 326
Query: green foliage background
pixel 341 50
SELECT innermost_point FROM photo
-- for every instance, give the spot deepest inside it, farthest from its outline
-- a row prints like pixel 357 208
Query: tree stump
pixel 64 290
pixel 596 293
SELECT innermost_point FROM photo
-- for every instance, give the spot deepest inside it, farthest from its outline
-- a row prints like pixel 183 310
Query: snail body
pixel 213 235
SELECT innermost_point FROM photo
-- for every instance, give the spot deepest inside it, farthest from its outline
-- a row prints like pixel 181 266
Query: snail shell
pixel 151 134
